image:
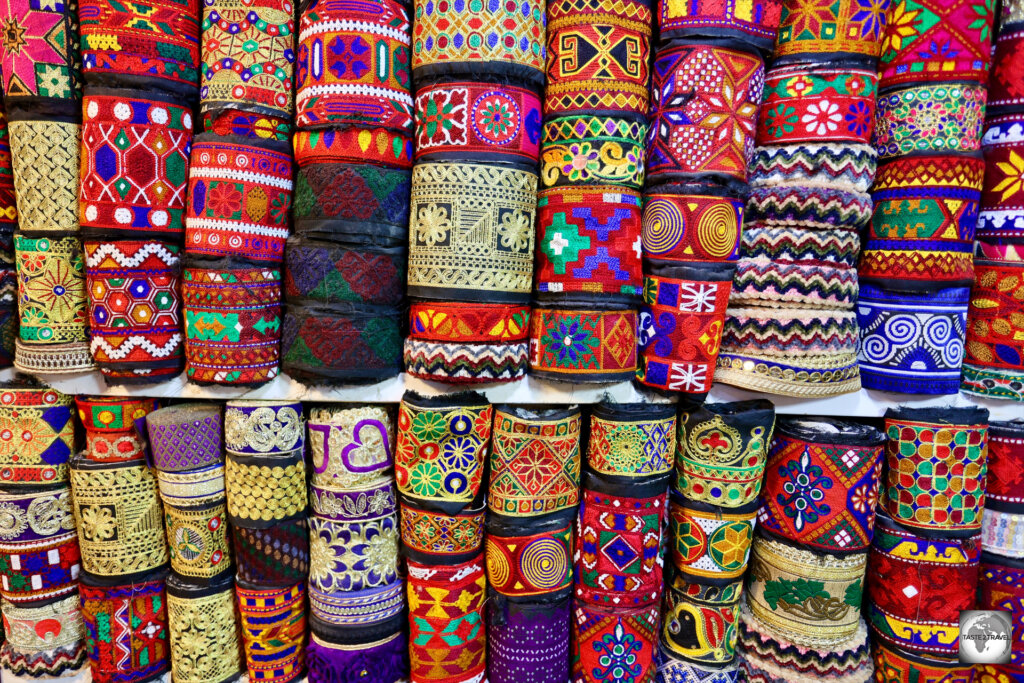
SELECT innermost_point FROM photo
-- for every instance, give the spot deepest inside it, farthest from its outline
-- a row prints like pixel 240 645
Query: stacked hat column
pixel 39 553
pixel 478 69
pixel 916 267
pixel 994 359
pixel 589 277
pixel 239 193
pixel 265 479
pixel 140 64
pixel 8 273
pixel 356 591
pixel 187 447
pixel 42 94
pixel 345 282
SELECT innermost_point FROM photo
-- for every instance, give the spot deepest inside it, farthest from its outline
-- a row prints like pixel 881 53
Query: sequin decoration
pixel 42 434
pixel 583 345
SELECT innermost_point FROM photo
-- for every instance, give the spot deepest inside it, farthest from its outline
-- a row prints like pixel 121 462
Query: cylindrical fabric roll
pixel 45 159
pixel 266 428
pixel 895 665
pixel 917 588
pixel 586 239
pixel 276 556
pixel 790 330
pixel 1001 587
pixel 41 66
pixel 583 343
pixel 1002 202
pixel 45 641
pixel 468 363
pixel 248 57
pixel 135 316
pixel 8 202
pixel 273 625
pixel 699 624
pixel 471 233
pixel 1003 484
pixel 995 328
pixel 821 484
pixel 135 163
pixel 42 426
pixel 940 118
pixel 684 142
pixel 350 448
pixel 232 323
pixel 265 490
pixel 329 273
pixel 355 504
pixel 192 489
pixel 353 612
pixel 633 441
pixel 186 436
pixel 801 377
pixel 843 165
pixel 842 30
pixel 708 544
pixel 609 641
pixel 353 556
pixel 203 627
pixel 198 538
pixel 384 660
pixel 678 226
pixel 817 206
pixel 936 469
pixel 674 670
pixel 528 643
pixel 760 282
pixel 126 624
pixel 756 24
pixel 435 538
pixel 447 631
pixel 529 561
pixel 120 519
pixel 52 334
pixel 247 124
pixel 356 145
pixel 39 551
pixel 592 150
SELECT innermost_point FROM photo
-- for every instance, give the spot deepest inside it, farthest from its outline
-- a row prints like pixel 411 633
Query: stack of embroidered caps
pixel 791 328
pixel 533 495
pixel 265 479
pixel 187 448
pixel 8 223
pixel 925 555
pixel 345 283
pixel 356 592
pixel 916 267
pixel 42 96
pixel 707 82
pixel 589 279
pixel 39 553
pixel 440 457
pixel 239 193
pixel 140 64
pixel 994 360
pixel 124 551
pixel 720 460
pixel 802 614
pixel 618 564
pixel 478 69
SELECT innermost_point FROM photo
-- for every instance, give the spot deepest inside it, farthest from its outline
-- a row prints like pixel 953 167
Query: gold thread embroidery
pixel 44 156
pixel 47 627
pixel 344 458
pixel 198 540
pixel 204 637
pixel 46 515
pixel 273 429
pixel 51 290
pixel 258 491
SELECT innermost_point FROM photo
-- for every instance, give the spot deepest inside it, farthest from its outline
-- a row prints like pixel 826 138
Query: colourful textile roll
pixel 356 145
pixel 991 383
pixel 528 642
pixel 1006 84
pixel 447 633
pixel 111 430
pixel 699 623
pixel 355 611
pixel 593 150
pixel 586 242
pixel 936 469
pixel 330 273
pixel 350 448
pixel 263 428
pixel 273 625
pixel 41 64
pixel 232 323
pixel 597 57
pixel 941 118
pixel 196 488
pixel 842 165
pixel 45 641
pixel 674 670
pixel 354 65
pixel 434 538
pixel 186 436
pixel 465 363
pixel 135 163
pixel 760 282
pixel 811 33
pixel 613 641
pixel 248 56
pixel 1001 587
pixel 120 519
pixel 529 562
pixel 39 552
pixel 756 23
pixel 384 660
pixel 52 336
pixel 240 194
pixel 681 324
pixel 583 344
pixel 8 203
pixel 632 441
pixel 799 246
pixel 812 207
pixel 42 434
pixel 203 630
pixel 357 504
pixel 995 327
pixel 695 89
pixel 247 124
pixel 825 375
pixel 135 309
pixel 709 545
pixel 821 484
pixel 198 539
pixel 917 588
pixel 691 227
pixel 1003 489
pixel 126 624
pixel 894 665
pixel 276 556
pixel 353 556
pixel 1002 534
pixel 45 160
pixel 471 233
pixel 478 121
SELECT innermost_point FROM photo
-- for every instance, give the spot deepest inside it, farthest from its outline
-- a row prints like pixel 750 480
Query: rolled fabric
pixel 186 436
pixel 695 89
pixel 52 335
pixel 821 484
pixel 329 273
pixel 811 599
pixel 760 282
pixel 196 488
pixel 1000 587
pixel 8 202
pixel 528 642
pixel 240 194
pixel 674 670
pixel 1005 84
pixel 120 519
pixel 120 195
pixel 126 624
pixel 248 57
pixel 936 469
pixel 900 666
pixel 135 309
pixel 843 30
pixel 634 441
pixel 995 329
pixel 203 631
pixel 44 155
pixel 39 551
pixel 355 611
pixel 356 145
pixel 276 556
pixel 844 165
pixel 41 68
pixel 583 343
pixel 42 440
pixel 111 428
pixel 354 65
pixel 597 57
pixel 917 588
pixel 273 626
pixel 699 624
pixel 691 227
pixel 447 633
pixel 350 448
pixel 384 660
pixel 434 538
pixel 1003 490
pixel 992 383
pixel 613 641
pixel 586 239
pixel 45 641
pixel 709 545
pixel 471 233
pixel 588 150
pixel 198 536
pixel 940 118
pixel 1002 533
pixel 247 124
pixel 353 556
pixel 789 247
pixel 354 504
pixel 232 323
pixel 440 449
pixel 681 323
pixel 529 562
pixel 813 207
pixel 263 428
pixel 534 461
pixel 756 24
pixel 824 375
pixel 1002 202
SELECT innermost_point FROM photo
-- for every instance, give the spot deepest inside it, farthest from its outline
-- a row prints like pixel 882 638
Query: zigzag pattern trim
pixel 814 375
pixel 112 250
pixel 851 168
pixel 839 247
pixel 121 351
pixel 43 663
pixel 465 363
pixel 808 207
pixel 819 286
pixel 756 640
pixel 789 332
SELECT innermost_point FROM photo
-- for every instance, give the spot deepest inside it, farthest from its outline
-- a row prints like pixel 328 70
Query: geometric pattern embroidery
pixel 39 49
